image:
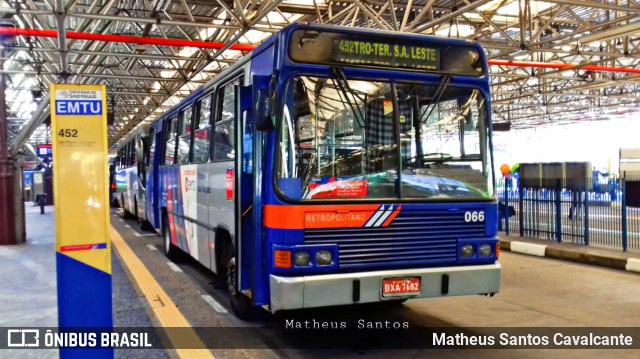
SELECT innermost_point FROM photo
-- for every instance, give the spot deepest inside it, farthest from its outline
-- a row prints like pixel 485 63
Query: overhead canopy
pixel 144 80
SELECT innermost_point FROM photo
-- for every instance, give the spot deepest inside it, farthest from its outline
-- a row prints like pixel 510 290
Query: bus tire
pixel 240 303
pixel 114 202
pixel 127 214
pixel 144 225
pixel 172 252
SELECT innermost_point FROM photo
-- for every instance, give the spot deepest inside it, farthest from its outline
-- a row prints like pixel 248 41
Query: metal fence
pixel 598 214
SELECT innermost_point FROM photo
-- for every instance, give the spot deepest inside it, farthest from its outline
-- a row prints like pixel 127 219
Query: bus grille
pixel 413 238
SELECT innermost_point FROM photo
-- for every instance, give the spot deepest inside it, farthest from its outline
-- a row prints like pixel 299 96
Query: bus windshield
pixel 351 139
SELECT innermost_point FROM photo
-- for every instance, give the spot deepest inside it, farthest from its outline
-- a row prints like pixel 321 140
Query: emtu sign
pixel 80 186
pixel 78 102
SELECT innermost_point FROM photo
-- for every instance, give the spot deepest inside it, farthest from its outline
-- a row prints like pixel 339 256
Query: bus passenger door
pixel 246 190
pixel 152 179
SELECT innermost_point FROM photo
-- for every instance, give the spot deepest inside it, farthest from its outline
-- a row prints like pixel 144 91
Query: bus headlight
pixel 302 259
pixel 467 251
pixel 323 258
pixel 485 250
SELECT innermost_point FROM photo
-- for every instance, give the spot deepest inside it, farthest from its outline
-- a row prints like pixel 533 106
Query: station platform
pixel 603 257
pixel 29 293
pixel 29 288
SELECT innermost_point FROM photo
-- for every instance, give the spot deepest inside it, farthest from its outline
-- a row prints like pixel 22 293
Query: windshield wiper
pixel 343 85
pixel 418 161
pixel 444 82
pixel 438 157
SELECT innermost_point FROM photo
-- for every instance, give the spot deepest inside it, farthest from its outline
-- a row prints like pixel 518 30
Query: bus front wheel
pixel 240 303
pixel 127 214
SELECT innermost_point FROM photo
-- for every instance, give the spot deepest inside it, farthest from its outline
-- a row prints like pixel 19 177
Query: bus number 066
pixel 474 216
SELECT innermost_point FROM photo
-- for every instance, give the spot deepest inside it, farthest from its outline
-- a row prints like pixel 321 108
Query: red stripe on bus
pixel 317 216
pixel 391 217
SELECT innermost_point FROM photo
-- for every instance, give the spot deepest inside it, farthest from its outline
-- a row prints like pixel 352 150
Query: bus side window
pixel 130 154
pixel 224 132
pixel 170 141
pixel 202 130
pixel 133 160
pixel 247 145
pixel 125 156
pixel 184 133
pixel 152 146
pixel 140 154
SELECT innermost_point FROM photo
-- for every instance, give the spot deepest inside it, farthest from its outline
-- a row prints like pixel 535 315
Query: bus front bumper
pixel 340 289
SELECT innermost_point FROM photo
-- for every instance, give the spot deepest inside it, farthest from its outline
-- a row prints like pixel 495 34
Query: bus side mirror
pixel 263 119
pixel 300 100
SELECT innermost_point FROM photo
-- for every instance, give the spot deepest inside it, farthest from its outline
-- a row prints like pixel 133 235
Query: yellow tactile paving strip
pixel 163 307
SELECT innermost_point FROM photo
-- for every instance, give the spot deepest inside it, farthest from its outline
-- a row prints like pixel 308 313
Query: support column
pixel 8 225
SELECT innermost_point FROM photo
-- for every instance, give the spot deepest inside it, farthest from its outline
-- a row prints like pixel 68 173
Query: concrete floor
pixel 28 290
pixel 536 292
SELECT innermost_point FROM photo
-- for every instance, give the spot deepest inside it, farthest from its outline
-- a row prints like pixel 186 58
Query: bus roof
pixel 285 34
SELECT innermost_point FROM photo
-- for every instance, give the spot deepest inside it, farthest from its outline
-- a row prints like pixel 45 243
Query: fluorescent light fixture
pixel 166 74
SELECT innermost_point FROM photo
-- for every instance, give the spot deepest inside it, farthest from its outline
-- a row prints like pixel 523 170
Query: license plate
pixel 396 287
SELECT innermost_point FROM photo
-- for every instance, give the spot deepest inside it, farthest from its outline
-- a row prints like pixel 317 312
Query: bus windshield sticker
pixel 337 188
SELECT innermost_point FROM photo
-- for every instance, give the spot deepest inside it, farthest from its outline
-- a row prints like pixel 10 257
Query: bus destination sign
pixel 420 54
pixel 385 54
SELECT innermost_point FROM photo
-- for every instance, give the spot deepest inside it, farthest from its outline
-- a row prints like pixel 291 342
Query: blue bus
pixel 333 166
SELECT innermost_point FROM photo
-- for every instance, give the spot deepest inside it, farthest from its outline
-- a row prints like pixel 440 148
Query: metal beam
pixel 62 41
pixel 96 75
pixel 452 15
pixel 42 111
pixel 616 31
pixel 597 5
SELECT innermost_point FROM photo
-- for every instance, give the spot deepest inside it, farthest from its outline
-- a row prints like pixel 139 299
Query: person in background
pixel 575 203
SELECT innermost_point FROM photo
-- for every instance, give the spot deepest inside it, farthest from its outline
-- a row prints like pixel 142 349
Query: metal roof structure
pixel 553 61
